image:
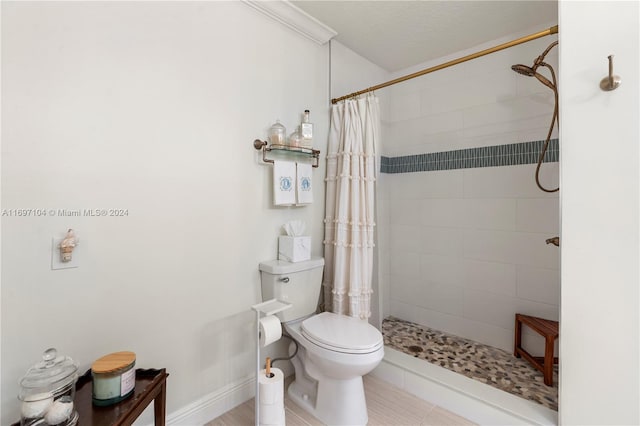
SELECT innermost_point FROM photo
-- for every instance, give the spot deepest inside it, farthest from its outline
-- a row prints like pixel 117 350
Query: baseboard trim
pixel 214 404
pixel 478 402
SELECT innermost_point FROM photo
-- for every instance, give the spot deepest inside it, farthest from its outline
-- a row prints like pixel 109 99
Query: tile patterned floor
pixel 484 363
pixel 386 405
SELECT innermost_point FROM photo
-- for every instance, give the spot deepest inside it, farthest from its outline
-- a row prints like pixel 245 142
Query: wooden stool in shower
pixel 547 329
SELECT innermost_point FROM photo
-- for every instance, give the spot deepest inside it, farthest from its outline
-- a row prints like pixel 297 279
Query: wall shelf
pixel 265 147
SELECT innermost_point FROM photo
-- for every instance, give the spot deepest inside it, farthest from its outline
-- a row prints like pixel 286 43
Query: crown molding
pixel 294 18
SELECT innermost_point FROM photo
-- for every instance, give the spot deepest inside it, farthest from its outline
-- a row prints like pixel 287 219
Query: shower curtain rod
pixel 549 31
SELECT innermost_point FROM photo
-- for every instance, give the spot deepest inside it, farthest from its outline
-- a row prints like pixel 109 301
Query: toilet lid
pixel 342 333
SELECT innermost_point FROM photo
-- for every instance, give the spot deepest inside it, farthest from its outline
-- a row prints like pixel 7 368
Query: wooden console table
pixel 151 385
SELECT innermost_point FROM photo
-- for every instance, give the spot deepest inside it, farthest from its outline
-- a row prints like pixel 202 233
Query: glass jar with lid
pixel 47 392
pixel 277 134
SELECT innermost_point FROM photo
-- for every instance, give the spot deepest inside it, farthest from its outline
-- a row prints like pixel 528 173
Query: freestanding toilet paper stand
pixel 270 307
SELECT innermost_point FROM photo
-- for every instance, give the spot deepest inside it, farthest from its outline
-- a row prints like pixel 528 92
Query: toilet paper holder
pixel 270 307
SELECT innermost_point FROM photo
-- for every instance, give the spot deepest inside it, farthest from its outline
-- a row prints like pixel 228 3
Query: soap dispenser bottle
pixel 306 130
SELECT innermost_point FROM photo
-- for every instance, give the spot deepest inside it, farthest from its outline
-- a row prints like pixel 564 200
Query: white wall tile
pixel 489 213
pixel 536 309
pixel 474 91
pixel 442 321
pixel 490 308
pixel 414 136
pixel 531 87
pixel 386 134
pixel 441 269
pixel 442 212
pixel 495 182
pixel 509 110
pixel 404 107
pixel 441 184
pixel 538 215
pixel 437 123
pixel 490 277
pixel 442 297
pixel 508 182
pixel 447 140
pixel 492 129
pixel 531 249
pixel 404 264
pixel 382 193
pixel 405 211
pixel 385 289
pixel 405 238
pixel 487 140
pixel 539 133
pixel 403 186
pixel 382 228
pixel 549 178
pixel 538 284
pixel 490 334
pixel 492 246
pixel 405 311
pixel 442 241
pixel 384 265
pixel 408 290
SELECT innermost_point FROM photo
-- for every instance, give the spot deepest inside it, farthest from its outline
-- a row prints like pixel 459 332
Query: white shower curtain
pixel 349 215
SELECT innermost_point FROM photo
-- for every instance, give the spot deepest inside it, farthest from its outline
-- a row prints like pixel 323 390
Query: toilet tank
pixel 297 283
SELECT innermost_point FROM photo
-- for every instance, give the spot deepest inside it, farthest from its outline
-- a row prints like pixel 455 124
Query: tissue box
pixel 294 249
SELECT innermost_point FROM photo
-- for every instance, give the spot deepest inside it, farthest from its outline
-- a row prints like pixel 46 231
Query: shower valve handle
pixel 555 241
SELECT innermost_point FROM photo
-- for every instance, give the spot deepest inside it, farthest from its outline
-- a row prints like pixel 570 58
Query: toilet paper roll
pixel 271 398
pixel 270 330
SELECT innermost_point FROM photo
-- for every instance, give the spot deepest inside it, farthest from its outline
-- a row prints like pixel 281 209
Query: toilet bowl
pixel 329 369
pixel 334 351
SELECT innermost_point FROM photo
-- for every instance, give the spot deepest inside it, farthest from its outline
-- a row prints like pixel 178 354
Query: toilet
pixel 334 351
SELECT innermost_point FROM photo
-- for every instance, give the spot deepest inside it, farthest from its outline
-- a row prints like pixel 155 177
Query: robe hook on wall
pixel 612 81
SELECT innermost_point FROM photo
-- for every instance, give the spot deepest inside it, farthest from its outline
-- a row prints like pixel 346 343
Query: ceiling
pixel 398 34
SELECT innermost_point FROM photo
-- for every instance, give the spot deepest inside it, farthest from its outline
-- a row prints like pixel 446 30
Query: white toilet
pixel 334 351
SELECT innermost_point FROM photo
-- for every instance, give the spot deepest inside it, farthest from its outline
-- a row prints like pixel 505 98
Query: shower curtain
pixel 350 203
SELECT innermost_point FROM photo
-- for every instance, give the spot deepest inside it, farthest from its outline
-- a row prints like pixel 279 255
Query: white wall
pixel 466 248
pixel 599 335
pixel 153 108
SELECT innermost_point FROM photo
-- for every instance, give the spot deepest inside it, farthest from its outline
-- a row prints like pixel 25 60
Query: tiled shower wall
pixel 463 250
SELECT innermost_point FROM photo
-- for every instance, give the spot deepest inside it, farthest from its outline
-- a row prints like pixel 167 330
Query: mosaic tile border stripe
pixel 487 156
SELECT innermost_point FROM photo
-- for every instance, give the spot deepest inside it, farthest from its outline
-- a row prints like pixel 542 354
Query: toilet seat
pixel 341 333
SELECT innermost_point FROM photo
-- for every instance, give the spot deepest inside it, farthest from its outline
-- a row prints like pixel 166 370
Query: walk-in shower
pixel 461 221
pixel 461 237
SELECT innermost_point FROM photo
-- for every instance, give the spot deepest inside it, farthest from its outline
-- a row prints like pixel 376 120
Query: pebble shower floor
pixel 483 363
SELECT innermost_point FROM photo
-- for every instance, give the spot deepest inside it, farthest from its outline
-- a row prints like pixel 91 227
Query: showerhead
pixel 524 70
pixel 532 71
